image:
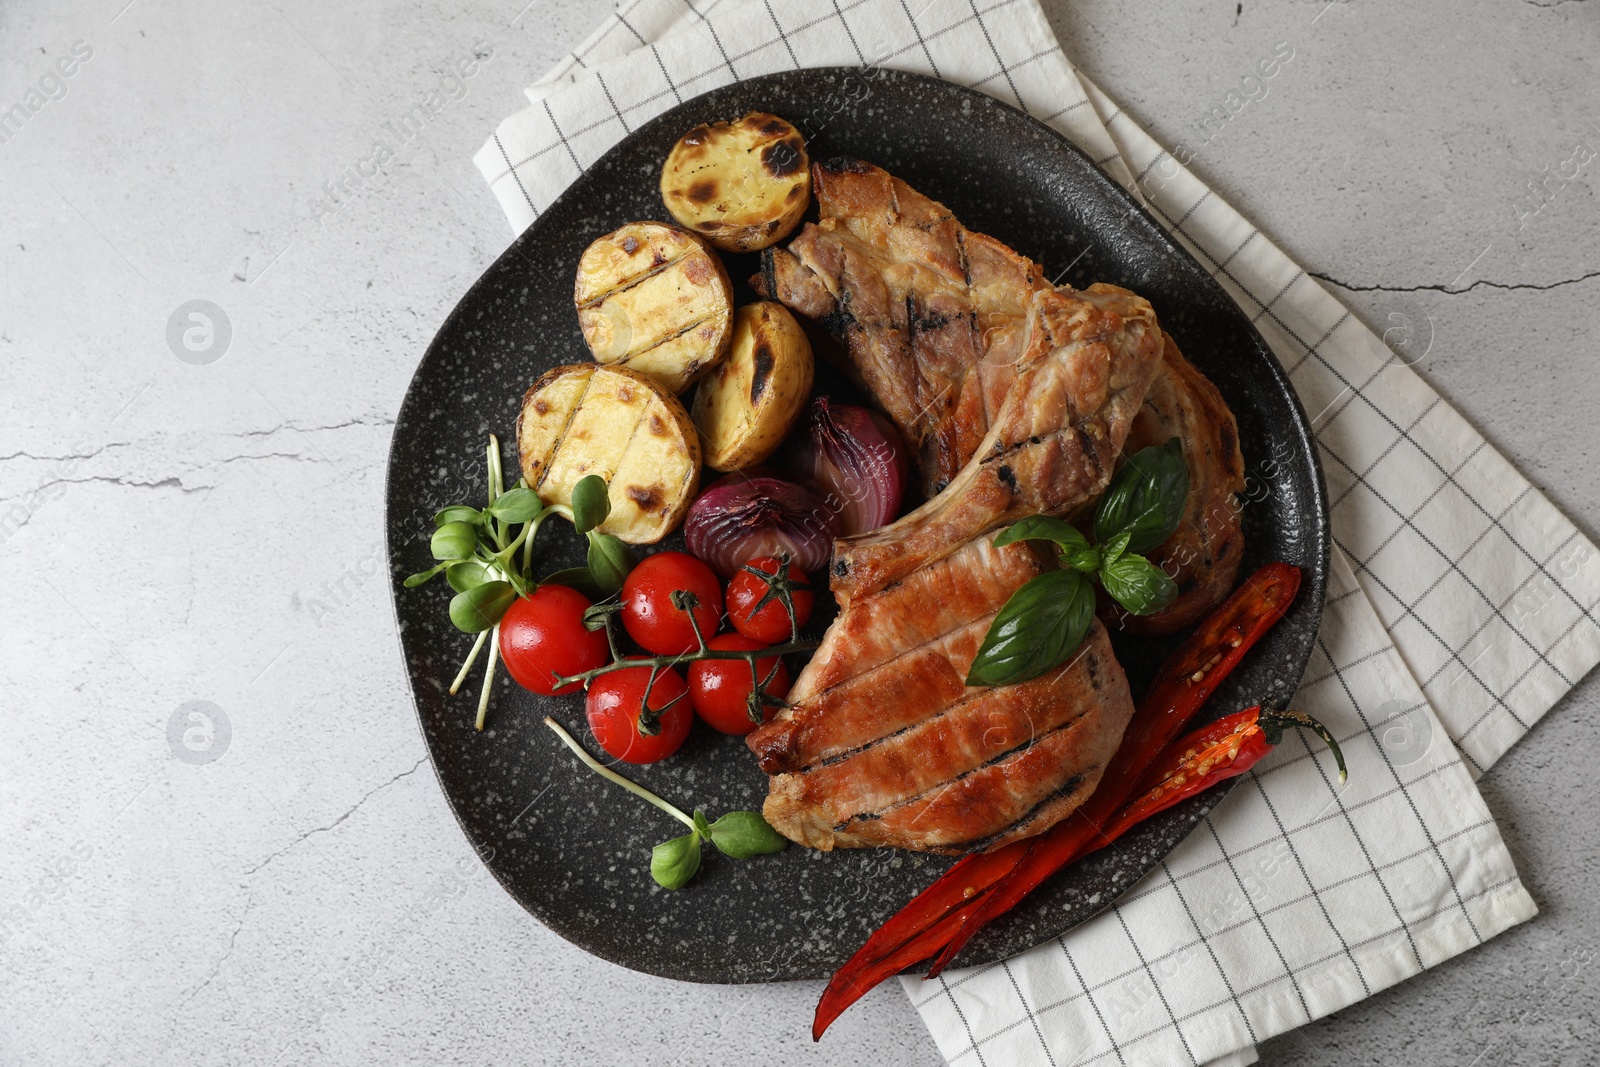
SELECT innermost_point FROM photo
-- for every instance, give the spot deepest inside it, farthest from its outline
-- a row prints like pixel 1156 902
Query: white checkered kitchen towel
pixel 1461 605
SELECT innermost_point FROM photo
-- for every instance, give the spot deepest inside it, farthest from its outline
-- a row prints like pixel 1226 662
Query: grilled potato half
pixel 740 185
pixel 622 425
pixel 746 406
pixel 656 300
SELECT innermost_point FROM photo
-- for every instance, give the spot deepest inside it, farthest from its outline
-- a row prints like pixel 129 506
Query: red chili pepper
pixel 953 908
pixel 1200 759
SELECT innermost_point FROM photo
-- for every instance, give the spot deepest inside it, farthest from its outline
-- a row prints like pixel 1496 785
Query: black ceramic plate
pixel 572 848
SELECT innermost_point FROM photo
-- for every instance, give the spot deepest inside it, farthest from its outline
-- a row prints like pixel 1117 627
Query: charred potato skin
pixel 652 476
pixel 741 185
pixel 749 403
pixel 654 298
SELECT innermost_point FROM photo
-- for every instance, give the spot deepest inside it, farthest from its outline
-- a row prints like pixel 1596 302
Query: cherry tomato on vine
pixel 650 616
pixel 542 636
pixel 769 623
pixel 720 688
pixel 615 702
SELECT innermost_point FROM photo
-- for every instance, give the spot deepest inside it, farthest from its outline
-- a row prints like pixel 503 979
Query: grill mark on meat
pixel 975 765
pixel 926 606
pixel 911 324
pixel 913 673
pixel 978 807
pixel 1022 827
pixel 769 274
pixel 839 323
pixel 934 723
pixel 845 165
pixel 973 696
pixel 1086 446
pixel 1010 753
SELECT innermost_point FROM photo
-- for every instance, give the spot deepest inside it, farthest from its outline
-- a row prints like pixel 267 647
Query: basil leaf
pixel 1044 528
pixel 1113 549
pixel 590 503
pixel 516 505
pixel 457 513
pixel 480 607
pixel 1086 560
pixel 609 561
pixel 1042 624
pixel 1138 585
pixel 673 863
pixel 743 834
pixel 422 577
pixel 1146 498
pixel 465 575
pixel 577 578
pixel 701 826
pixel 453 541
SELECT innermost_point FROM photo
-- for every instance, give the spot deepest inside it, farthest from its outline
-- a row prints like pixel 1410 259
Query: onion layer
pixel 858 462
pixel 740 518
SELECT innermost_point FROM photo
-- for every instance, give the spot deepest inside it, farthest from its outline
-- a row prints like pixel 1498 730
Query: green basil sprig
pixel 1146 497
pixel 740 835
pixel 1045 621
pixel 488 562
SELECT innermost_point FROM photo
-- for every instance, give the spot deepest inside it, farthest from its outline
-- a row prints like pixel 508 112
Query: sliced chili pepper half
pixel 1198 760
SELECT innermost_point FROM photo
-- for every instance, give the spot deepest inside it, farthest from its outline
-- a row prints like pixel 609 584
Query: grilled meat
pixel 1204 554
pixel 919 301
pixel 885 745
pixel 1019 399
pixel 938 321
pixel 1052 442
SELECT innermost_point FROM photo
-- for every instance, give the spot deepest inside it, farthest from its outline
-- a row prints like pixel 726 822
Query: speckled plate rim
pixel 1182 818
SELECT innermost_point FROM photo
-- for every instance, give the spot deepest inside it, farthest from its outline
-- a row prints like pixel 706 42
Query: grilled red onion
pixel 741 517
pixel 858 462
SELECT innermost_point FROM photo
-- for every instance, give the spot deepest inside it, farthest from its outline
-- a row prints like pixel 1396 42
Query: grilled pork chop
pixel 1019 398
pixel 1204 553
pixel 972 354
pixel 1050 447
pixel 938 319
pixel 918 299
pixel 885 745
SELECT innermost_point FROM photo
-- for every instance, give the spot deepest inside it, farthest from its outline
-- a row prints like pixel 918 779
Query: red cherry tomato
pixel 647 609
pixel 771 622
pixel 542 637
pixel 615 701
pixel 721 688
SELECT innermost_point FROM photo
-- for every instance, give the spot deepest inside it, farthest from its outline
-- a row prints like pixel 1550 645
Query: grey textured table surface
pixel 176 532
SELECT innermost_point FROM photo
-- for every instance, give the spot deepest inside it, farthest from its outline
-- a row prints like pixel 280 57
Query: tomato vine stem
pixel 689 657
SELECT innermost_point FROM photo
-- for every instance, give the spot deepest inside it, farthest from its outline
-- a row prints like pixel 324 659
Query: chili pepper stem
pixel 607 773
pixel 1276 721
